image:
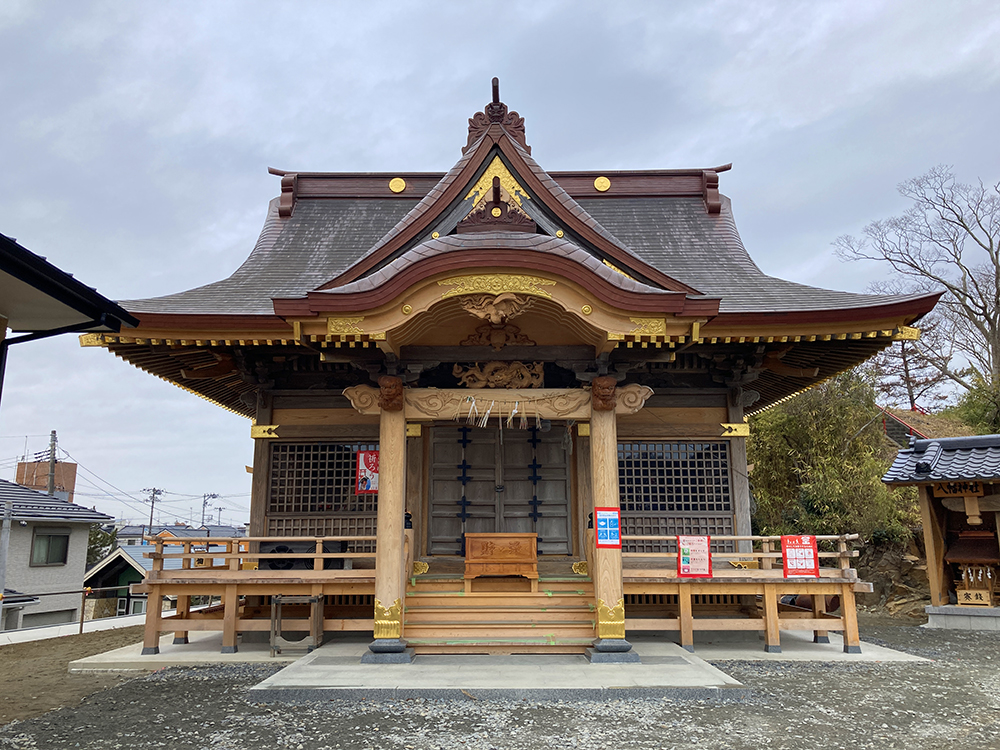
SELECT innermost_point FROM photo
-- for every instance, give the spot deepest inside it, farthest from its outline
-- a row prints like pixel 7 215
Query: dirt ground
pixel 950 701
pixel 34 676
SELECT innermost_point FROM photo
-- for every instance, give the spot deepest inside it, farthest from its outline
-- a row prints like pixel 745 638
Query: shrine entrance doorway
pixel 488 480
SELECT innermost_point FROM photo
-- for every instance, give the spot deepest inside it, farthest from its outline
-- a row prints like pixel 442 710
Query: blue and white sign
pixel 607 524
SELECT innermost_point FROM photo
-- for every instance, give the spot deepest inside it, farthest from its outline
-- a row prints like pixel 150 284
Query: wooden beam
pixel 409 354
pixel 932 520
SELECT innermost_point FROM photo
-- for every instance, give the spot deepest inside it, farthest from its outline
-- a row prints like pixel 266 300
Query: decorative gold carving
pixel 610 620
pixel 616 269
pixel 389 621
pixel 498 309
pixel 364 398
pixel 406 309
pixel 431 403
pixel 906 333
pixel 631 398
pixel 484 187
pixel 583 429
pixel 92 339
pixel 586 309
pixel 397 184
pixel 343 326
pixel 497 336
pixel 580 568
pixel 496 283
pixel 615 336
pixel 739 429
pixel 559 233
pixel 649 327
pixel 602 390
pixel 258 431
pixel 419 567
pixel 501 375
pixel 601 184
pixel 390 393
pixel 413 430
pixel 435 235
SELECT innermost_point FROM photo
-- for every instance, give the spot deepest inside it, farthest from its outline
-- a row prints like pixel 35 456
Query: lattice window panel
pixel 674 477
pixel 670 488
pixel 326 526
pixel 317 478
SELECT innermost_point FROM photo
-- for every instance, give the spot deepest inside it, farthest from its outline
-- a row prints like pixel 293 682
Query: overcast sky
pixel 135 140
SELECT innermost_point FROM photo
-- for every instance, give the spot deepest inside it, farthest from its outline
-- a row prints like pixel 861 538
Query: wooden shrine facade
pixel 521 347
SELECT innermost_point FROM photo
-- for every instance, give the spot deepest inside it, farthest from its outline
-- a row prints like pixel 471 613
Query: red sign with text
pixel 367 479
pixel 694 557
pixel 800 556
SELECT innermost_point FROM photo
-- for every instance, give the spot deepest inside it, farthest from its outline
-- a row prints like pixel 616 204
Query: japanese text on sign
pixel 800 556
pixel 367 479
pixel 607 523
pixel 694 557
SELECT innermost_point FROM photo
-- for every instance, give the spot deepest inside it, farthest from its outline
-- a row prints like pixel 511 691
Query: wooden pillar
pixel 183 600
pixel 261 470
pixel 685 617
pixel 389 550
pixel 738 473
pixel 772 637
pixel 934 546
pixel 230 612
pixel 849 613
pixel 607 575
pixel 154 609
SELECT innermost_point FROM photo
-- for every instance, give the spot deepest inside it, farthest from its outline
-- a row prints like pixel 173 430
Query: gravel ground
pixel 953 701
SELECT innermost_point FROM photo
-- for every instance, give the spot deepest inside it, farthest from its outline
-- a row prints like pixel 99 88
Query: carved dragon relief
pixel 497 311
pixel 501 375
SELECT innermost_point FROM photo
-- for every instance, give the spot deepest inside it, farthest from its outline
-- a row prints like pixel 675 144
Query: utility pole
pixel 52 463
pixel 154 493
pixel 8 515
pixel 219 508
pixel 205 500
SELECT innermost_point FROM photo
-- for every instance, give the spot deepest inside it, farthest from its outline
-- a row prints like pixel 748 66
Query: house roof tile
pixel 30 505
pixel 946 460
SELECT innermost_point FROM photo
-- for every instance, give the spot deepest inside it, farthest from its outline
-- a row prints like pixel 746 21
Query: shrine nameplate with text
pixel 501 555
pixel 958 489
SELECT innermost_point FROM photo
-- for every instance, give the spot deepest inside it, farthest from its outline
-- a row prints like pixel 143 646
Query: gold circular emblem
pixel 407 309
pixel 434 235
pixel 559 233
pixel 586 309
pixel 496 211
pixel 601 184
pixel 398 185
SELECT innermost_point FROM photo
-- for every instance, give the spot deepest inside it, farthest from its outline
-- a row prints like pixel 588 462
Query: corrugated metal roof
pixel 30 505
pixel 947 460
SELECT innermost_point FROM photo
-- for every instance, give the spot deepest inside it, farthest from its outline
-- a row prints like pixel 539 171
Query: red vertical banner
pixel 367 479
pixel 694 557
pixel 800 556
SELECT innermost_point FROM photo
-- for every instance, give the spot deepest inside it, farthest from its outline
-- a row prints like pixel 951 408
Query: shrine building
pixel 521 347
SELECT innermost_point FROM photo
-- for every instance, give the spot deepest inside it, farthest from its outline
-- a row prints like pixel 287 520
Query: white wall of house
pixel 27 578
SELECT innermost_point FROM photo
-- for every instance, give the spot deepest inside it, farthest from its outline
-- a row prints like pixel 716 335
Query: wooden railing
pixel 242 553
pixel 766 552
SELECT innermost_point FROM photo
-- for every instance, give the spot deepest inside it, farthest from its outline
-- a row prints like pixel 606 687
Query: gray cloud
pixel 136 138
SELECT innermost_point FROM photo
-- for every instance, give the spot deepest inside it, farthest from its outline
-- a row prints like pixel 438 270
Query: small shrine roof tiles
pixel 947 460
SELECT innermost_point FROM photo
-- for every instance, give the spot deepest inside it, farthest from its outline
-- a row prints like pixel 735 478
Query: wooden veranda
pixel 502 614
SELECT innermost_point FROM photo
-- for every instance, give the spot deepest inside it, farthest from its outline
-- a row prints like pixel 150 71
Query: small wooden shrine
pixel 959 484
pixel 523 348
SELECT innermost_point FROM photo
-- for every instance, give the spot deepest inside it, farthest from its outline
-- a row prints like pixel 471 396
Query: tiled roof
pixel 674 234
pixel 30 505
pixel 677 236
pixel 946 460
pixel 497 241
